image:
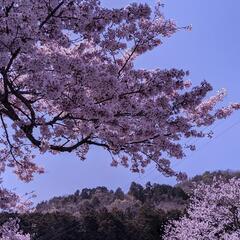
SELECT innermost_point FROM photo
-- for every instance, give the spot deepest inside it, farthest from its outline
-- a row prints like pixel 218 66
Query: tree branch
pixel 51 14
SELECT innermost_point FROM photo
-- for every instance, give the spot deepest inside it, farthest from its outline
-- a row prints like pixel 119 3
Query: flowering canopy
pixel 68 81
pixel 10 231
pixel 213 214
pixel 11 202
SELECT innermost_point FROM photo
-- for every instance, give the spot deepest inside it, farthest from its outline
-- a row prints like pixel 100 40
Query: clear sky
pixel 210 51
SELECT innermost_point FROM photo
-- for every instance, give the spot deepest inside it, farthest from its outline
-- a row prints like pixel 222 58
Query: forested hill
pixel 157 196
pixel 102 214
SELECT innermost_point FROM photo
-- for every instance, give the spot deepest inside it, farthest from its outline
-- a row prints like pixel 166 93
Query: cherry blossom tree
pixel 68 82
pixel 213 213
pixel 10 231
pixel 11 202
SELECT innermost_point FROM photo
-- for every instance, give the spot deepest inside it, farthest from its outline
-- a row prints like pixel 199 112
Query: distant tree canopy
pixel 148 224
pixel 100 197
pixel 156 192
pixel 102 214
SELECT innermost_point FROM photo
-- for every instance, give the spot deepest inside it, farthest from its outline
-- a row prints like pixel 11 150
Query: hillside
pixel 157 196
pixel 102 214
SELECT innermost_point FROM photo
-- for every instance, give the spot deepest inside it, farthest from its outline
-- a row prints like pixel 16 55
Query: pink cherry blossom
pixel 10 231
pixel 213 213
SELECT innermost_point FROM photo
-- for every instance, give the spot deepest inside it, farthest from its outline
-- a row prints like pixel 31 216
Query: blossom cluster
pixel 11 202
pixel 10 231
pixel 213 213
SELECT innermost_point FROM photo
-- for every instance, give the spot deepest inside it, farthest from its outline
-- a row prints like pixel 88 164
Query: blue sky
pixel 210 51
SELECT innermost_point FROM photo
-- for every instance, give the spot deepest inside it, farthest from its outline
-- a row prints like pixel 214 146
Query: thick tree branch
pixel 51 14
